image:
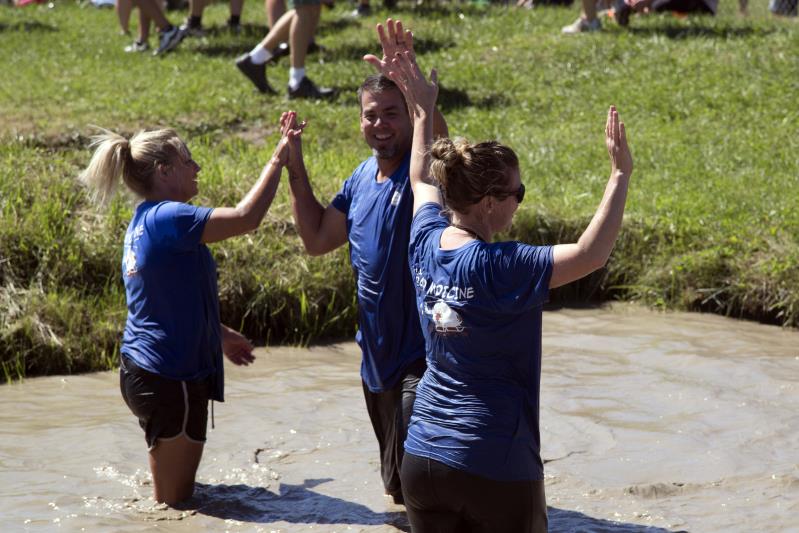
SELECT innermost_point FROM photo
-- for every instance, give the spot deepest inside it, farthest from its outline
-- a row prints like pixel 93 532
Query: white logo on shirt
pixel 446 319
pixel 131 269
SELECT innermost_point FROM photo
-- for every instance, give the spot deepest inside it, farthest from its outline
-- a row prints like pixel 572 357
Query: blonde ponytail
pixel 134 160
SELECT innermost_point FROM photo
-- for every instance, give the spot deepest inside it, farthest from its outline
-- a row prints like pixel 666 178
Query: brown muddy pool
pixel 650 422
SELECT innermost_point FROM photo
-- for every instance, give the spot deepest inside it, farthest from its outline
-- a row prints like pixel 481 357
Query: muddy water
pixel 650 422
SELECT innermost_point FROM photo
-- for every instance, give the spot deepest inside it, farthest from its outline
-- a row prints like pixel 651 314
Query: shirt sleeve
pixel 343 198
pixel 427 219
pixel 520 275
pixel 178 225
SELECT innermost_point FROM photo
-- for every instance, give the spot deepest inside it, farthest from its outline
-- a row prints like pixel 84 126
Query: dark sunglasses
pixel 518 194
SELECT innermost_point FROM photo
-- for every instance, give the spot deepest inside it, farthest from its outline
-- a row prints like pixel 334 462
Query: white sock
pixel 260 55
pixel 295 77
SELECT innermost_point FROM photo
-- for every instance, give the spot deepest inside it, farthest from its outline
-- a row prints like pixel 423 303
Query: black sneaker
pixel 621 12
pixel 234 27
pixel 282 50
pixel 168 40
pixel 255 73
pixel 307 89
pixel 192 31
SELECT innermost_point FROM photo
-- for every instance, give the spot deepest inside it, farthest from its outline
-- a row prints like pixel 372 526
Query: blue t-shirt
pixel 173 326
pixel 378 226
pixel 480 306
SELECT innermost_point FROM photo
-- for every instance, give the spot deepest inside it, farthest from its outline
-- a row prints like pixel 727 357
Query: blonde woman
pixel 171 354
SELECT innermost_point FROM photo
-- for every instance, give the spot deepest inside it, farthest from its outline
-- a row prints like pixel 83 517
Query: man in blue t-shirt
pixel 372 212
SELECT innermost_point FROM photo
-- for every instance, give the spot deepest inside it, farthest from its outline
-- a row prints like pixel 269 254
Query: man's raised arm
pixel 395 39
pixel 321 229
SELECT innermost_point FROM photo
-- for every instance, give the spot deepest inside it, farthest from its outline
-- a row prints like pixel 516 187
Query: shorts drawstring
pixel 212 414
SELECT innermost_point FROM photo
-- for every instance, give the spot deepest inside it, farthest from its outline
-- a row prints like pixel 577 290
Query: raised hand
pixel 289 147
pixel 419 93
pixel 621 160
pixel 393 38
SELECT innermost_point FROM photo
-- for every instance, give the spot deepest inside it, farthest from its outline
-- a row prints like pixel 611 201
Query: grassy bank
pixel 710 105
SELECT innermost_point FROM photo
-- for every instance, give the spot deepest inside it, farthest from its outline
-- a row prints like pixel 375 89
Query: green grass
pixel 710 105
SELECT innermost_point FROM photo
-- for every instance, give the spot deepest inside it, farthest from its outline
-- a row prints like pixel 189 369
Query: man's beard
pixel 389 152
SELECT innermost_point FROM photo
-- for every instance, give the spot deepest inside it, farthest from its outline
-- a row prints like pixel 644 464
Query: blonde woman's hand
pixel 236 347
pixel 289 147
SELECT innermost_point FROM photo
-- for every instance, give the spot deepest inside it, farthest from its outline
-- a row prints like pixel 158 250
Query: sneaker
pixel 363 10
pixel 582 25
pixel 234 27
pixel 255 73
pixel 192 31
pixel 168 40
pixel 307 89
pixel 621 12
pixel 137 46
pixel 282 50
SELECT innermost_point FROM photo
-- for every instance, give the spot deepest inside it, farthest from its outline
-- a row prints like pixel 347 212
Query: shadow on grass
pixel 295 504
pixel 332 26
pixel 356 52
pixel 681 31
pixel 32 26
pixel 248 31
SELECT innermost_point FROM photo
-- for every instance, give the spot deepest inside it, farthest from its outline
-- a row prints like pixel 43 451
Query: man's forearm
pixel 305 207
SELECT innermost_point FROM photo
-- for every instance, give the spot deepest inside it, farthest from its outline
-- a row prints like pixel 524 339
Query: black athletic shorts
pixel 390 413
pixel 166 408
pixel 442 499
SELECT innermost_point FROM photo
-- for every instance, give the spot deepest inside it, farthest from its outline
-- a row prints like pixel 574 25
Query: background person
pixel 372 212
pixel 297 26
pixel 193 27
pixel 171 354
pixel 169 36
pixel 586 22
pixel 472 456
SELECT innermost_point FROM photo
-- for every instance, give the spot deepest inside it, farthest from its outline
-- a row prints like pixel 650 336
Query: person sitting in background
pixel 297 26
pixel 472 457
pixel 171 355
pixel 624 8
pixel 586 22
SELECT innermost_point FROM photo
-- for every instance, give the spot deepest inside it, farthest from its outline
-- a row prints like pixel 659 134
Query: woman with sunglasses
pixel 472 455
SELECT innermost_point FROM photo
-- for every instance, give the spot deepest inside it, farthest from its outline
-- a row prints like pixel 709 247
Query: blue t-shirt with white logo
pixel 378 226
pixel 480 307
pixel 173 326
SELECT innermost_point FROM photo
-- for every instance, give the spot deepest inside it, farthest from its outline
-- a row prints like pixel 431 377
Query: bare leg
pixel 279 32
pixel 236 7
pixel 274 10
pixel 589 10
pixel 144 27
pixel 303 28
pixel 153 10
pixel 124 8
pixel 196 8
pixel 174 465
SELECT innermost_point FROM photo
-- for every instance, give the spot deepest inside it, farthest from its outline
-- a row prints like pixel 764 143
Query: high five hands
pixel 289 147
pixel 394 39
pixel 420 94
pixel 621 160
